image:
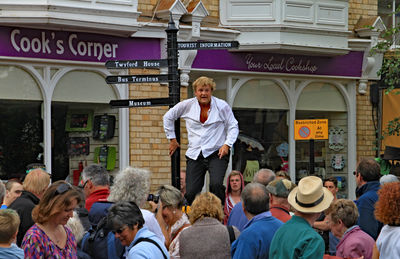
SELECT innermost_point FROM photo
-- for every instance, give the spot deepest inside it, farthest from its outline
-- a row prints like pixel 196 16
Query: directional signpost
pixel 207 45
pixel 124 64
pixel 172 78
pixel 136 79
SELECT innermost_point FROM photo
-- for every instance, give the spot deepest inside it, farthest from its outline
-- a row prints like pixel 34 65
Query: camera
pixel 153 197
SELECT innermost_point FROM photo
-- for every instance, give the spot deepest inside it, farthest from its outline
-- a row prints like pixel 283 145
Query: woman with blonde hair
pixel 171 218
pixel 48 237
pixel 207 236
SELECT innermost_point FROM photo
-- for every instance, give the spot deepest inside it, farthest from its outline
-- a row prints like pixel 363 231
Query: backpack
pixel 100 243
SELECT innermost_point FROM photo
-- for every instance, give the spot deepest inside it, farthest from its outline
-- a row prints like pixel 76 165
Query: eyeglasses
pixel 355 173
pixel 62 188
pixel 84 184
pixel 120 230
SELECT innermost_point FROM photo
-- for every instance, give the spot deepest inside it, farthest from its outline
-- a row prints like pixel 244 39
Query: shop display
pixel 79 120
pixel 336 140
pixel 106 156
pixel 103 127
pixel 337 162
pixel 78 146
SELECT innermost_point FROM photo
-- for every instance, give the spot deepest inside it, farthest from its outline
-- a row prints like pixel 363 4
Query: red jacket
pixel 99 195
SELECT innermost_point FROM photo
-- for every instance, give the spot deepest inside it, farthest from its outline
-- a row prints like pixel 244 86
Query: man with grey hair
pixel 2 193
pixel 237 217
pixel 96 184
pixel 255 239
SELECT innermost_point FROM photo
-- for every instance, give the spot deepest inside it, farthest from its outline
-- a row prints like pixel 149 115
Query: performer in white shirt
pixel 212 130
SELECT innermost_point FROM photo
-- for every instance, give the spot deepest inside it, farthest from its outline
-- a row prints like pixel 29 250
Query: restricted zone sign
pixel 311 129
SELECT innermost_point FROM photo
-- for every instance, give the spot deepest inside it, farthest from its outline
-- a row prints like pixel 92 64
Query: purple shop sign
pixel 63 45
pixel 349 65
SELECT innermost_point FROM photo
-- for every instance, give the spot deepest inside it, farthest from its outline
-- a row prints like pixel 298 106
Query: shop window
pixel 17 84
pixel 21 131
pixel 80 99
pixel 83 87
pixel 21 125
pixel 261 109
pixel 262 142
pixel 329 156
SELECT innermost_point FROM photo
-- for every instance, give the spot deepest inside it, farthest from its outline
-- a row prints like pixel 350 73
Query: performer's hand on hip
pixel 173 145
pixel 223 151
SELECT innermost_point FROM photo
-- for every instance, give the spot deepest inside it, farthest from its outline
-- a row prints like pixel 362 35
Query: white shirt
pixel 220 128
pixel 388 242
pixel 151 223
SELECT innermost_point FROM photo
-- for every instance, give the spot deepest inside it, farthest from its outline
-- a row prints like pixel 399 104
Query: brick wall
pixel 146 7
pixel 359 8
pixel 148 144
pixel 365 127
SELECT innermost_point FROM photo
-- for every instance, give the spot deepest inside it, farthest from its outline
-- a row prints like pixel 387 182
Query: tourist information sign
pixel 207 45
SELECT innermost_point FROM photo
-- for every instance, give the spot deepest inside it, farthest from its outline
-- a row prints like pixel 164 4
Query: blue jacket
pixel 366 205
pixel 256 238
pixel 13 252
pixel 237 217
pixel 144 249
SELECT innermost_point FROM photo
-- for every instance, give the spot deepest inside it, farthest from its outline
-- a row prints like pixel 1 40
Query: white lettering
pixel 90 45
pixel 290 64
pixel 25 44
pixel 107 50
pixel 70 43
pixel 45 44
pixel 114 50
pixel 82 49
pixel 36 46
pixel 100 53
pixel 60 47
pixel 13 43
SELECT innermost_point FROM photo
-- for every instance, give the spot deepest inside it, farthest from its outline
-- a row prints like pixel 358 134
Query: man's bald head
pixel 264 176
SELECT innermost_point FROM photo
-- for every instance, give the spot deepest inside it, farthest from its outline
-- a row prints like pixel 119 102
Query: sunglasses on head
pixel 62 188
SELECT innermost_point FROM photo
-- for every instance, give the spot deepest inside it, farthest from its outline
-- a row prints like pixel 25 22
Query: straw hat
pixel 310 196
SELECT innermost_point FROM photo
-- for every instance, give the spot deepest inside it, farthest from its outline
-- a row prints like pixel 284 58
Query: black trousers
pixel 196 170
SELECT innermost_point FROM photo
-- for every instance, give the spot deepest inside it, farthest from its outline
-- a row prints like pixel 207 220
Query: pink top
pixel 37 244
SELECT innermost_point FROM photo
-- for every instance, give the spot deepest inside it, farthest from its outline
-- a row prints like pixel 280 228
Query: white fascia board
pixel 292 48
pixel 359 44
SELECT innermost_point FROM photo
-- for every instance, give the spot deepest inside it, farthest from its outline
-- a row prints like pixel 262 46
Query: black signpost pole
pixel 174 95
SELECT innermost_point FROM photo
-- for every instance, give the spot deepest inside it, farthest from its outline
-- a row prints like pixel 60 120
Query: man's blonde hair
pixel 9 223
pixel 203 81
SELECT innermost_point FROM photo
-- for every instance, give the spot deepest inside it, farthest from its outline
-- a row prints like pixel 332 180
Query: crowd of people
pixel 270 217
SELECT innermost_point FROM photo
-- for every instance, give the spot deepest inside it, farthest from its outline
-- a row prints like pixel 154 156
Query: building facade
pixel 297 60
